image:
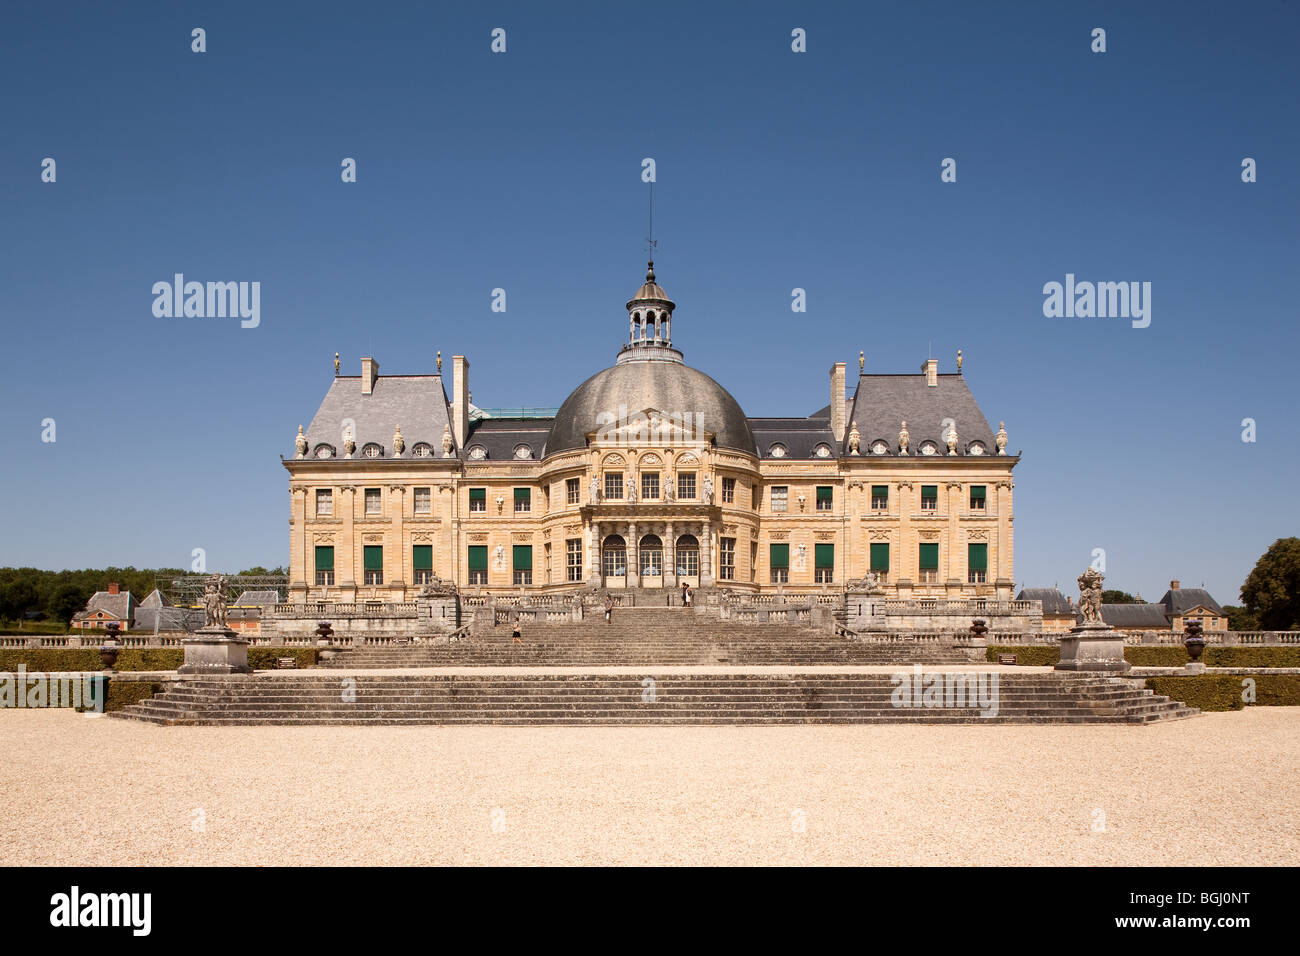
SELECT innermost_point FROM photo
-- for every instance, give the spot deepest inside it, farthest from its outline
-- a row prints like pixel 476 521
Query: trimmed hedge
pixel 1224 691
pixel 1038 655
pixel 136 658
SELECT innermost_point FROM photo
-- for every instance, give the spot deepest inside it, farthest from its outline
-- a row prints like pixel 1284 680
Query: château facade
pixel 647 476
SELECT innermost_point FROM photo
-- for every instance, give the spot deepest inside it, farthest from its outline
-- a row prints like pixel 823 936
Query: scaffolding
pixel 187 590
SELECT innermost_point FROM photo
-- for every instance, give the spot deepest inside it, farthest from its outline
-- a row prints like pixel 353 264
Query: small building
pixel 156 614
pixel 1135 617
pixel 245 614
pixel 1059 612
pixel 1181 604
pixel 105 607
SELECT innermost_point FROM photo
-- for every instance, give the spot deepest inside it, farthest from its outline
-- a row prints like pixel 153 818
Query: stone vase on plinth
pixel 215 650
pixel 1093 646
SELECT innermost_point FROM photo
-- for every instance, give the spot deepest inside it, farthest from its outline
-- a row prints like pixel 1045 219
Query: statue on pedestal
pixel 1090 595
pixel 214 601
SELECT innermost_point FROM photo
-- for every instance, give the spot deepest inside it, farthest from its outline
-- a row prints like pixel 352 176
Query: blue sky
pixel 775 170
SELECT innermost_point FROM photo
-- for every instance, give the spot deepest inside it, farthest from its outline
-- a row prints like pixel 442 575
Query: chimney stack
pixel 459 399
pixel 113 587
pixel 931 370
pixel 369 372
pixel 837 401
pixel 1173 585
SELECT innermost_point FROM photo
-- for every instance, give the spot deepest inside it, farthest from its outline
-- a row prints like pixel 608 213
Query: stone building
pixel 648 475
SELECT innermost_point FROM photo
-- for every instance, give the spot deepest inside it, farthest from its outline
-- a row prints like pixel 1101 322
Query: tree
pixel 1239 619
pixel 1272 589
pixel 65 602
pixel 17 598
pixel 1117 597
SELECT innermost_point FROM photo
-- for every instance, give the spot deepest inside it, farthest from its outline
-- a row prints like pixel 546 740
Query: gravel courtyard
pixel 1216 789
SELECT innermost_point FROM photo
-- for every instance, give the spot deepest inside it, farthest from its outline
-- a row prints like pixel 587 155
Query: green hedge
pixel 122 694
pixel 1224 691
pixel 1037 655
pixel 55 660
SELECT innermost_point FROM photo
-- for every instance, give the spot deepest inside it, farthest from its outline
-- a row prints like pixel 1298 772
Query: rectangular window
pixel 422 562
pixel 929 497
pixel 727 557
pixel 880 559
pixel 324 566
pixel 823 563
pixel 779 562
pixel 879 497
pixel 571 490
pixel 373 563
pixel 523 499
pixel 728 490
pixel 929 563
pixel 977 497
pixel 780 497
pixel 422 501
pixel 686 485
pixel 688 561
pixel 324 501
pixel 374 502
pixel 650 485
pixel 478 560
pixel 478 499
pixel 613 561
pixel 523 564
pixel 977 562
pixel 825 498
pixel 573 562
pixel 614 485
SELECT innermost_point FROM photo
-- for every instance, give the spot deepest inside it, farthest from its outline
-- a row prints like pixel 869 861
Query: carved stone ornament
pixel 301 443
pixel 349 445
pixel 447 443
pixel 1002 438
pixel 904 438
pixel 950 439
pixel 1090 595
pixel 399 443
pixel 855 439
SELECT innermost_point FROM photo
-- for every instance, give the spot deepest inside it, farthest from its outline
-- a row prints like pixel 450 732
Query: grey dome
pixel 668 386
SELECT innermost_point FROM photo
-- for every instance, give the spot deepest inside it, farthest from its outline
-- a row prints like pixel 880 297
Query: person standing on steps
pixel 684 590
pixel 514 628
pixel 609 608
pixel 690 596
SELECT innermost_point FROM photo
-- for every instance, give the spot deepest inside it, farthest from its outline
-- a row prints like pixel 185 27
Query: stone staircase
pixel 317 697
pixel 645 636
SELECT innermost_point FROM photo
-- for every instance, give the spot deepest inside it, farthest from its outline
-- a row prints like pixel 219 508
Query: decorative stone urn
pixel 325 641
pixel 979 631
pixel 108 651
pixel 1195 643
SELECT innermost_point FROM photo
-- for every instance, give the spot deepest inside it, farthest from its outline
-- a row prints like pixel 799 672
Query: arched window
pixel 688 556
pixel 613 557
pixel 652 556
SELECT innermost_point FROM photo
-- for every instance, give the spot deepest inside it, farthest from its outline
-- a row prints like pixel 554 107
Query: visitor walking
pixel 690 596
pixel 609 608
pixel 684 590
pixel 514 628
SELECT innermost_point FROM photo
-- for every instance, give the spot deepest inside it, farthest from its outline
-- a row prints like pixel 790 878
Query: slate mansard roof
pixel 1054 602
pixel 881 403
pixel 1150 616
pixel 1185 599
pixel 417 403
pixel 504 438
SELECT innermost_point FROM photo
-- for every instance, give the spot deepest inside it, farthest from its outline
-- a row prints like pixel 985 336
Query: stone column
pixel 670 557
pixel 633 554
pixel 903 565
pixel 1005 582
pixel 345 556
pixel 956 579
pixel 301 558
pixel 706 554
pixel 593 552
pixel 397 502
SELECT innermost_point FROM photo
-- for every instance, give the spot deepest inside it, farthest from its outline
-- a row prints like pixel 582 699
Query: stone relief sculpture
pixel 595 489
pixel 855 439
pixel 904 438
pixel 214 601
pixel 1002 438
pixel 301 443
pixel 1090 595
pixel 708 489
pixel 501 557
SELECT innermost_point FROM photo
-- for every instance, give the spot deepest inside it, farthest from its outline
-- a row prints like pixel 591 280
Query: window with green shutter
pixel 523 499
pixel 929 498
pixel 422 557
pixel 478 557
pixel 879 556
pixel 324 557
pixel 825 498
pixel 523 557
pixel 824 555
pixel 478 499
pixel 977 497
pixel 779 555
pixel 977 562
pixel 929 557
pixel 879 496
pixel 372 561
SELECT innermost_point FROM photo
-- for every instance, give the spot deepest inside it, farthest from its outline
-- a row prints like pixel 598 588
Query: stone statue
pixel 855 439
pixel 959 361
pixel 631 492
pixel 501 557
pixel 439 361
pixel 950 439
pixel 1002 438
pixel 708 489
pixel 670 487
pixel 349 446
pixel 862 361
pixel 1090 595
pixel 301 443
pixel 904 437
pixel 399 443
pixel 214 601
pixel 336 363
pixel 447 443
pixel 595 489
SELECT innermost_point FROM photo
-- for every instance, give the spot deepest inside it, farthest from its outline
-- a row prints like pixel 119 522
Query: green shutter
pixel 373 555
pixel 422 557
pixel 523 557
pixel 880 491
pixel 521 494
pixel 779 555
pixel 824 555
pixel 977 556
pixel 976 492
pixel 929 557
pixel 880 556
pixel 929 491
pixel 478 557
pixel 478 494
pixel 825 493
pixel 324 557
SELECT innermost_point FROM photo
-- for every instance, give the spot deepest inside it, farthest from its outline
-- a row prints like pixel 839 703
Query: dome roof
pixel 650 291
pixel 672 388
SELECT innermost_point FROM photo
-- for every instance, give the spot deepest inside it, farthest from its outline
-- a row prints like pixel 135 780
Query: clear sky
pixel 775 169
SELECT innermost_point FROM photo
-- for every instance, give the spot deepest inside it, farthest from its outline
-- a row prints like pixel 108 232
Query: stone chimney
pixel 369 372
pixel 459 399
pixel 1174 584
pixel 837 401
pixel 931 369
pixel 113 587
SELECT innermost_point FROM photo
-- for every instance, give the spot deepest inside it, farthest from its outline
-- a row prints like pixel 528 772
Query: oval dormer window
pixel 477 452
pixel 523 451
pixel 422 449
pixel 823 450
pixel 879 447
pixel 976 448
pixel 372 450
pixel 323 451
pixel 928 448
pixel 776 450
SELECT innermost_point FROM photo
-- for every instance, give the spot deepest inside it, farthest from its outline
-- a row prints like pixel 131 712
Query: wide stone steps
pixel 625 699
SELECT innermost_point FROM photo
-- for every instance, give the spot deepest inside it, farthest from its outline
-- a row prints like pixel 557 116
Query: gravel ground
pixel 1216 789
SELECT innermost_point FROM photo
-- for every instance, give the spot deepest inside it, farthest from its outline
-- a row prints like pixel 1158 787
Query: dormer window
pixel 975 448
pixel 776 450
pixel 879 447
pixel 372 450
pixel 823 450
pixel 928 448
pixel 477 452
pixel 324 451
pixel 422 449
pixel 523 452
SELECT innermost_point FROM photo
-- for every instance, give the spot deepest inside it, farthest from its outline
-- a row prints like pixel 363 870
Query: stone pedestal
pixel 215 650
pixel 1093 646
